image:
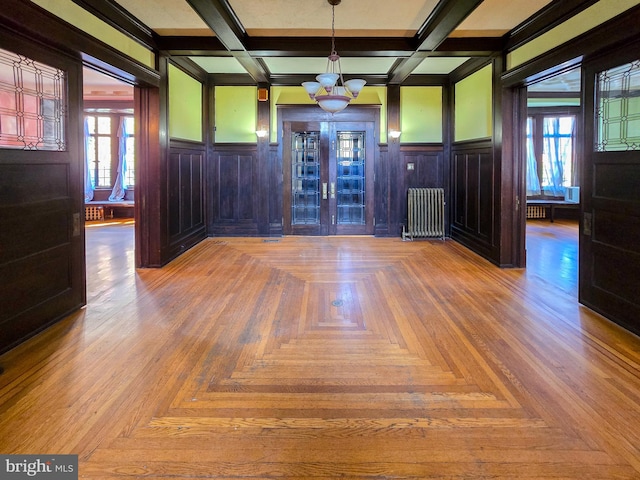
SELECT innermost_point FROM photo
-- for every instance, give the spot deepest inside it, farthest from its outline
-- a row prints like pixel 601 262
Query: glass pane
pixel 618 108
pixel 104 162
pixel 305 178
pixel 91 125
pixel 350 178
pixel 104 125
pixel 32 104
pixel 129 126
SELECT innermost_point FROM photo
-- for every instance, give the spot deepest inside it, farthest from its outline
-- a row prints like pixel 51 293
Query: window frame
pixel 115 113
pixel 538 114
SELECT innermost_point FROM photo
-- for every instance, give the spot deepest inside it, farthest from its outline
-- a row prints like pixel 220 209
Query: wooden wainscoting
pixel 308 358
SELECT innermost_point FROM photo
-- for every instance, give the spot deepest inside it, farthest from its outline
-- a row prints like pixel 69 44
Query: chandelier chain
pixel 333 29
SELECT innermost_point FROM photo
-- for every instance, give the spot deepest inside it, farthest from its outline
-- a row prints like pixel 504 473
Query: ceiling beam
pixel 447 15
pixel 219 16
pixel 321 46
pixel 193 46
pixel 444 19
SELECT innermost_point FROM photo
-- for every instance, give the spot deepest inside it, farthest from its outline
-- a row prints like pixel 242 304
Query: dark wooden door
pixel 328 178
pixel 610 227
pixel 41 164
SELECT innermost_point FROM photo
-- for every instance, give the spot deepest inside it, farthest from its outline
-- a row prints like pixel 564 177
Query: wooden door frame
pixel 313 113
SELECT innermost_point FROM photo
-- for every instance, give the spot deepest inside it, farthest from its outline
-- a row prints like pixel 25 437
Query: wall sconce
pixel 262 133
pixel 395 134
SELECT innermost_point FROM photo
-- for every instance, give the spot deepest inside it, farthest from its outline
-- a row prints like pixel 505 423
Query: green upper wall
pixel 236 113
pixel 185 106
pixel 586 20
pixel 68 11
pixel 421 114
pixel 473 111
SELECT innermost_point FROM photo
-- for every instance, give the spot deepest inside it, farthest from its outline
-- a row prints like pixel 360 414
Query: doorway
pixel 328 175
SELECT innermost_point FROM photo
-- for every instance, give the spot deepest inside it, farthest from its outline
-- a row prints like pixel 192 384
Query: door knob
pixel 324 191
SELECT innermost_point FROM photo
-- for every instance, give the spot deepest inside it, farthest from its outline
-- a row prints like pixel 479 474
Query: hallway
pixel 319 357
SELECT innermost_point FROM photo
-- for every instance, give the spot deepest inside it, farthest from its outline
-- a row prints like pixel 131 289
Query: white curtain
pixel 88 181
pixel 120 185
pixel 533 181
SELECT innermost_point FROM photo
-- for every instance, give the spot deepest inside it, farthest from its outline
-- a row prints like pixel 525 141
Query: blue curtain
pixel 88 181
pixel 533 181
pixel 120 185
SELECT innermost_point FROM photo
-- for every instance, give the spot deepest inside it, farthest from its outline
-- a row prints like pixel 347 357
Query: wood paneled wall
pixel 235 190
pixel 474 203
pixel 186 194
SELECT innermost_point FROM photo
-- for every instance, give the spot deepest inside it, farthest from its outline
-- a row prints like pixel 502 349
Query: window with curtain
pixel 551 159
pixel 110 145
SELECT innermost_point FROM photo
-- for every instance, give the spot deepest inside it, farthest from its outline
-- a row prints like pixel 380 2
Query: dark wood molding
pixel 28 19
pixel 190 68
pixel 426 81
pixel 547 18
pixel 219 16
pixel 192 46
pixel 469 46
pixel 113 14
pixel 443 20
pixel 321 46
pixel 613 33
pixel 468 68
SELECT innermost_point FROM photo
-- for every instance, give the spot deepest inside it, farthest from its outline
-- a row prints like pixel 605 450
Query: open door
pixel 610 227
pixel 41 158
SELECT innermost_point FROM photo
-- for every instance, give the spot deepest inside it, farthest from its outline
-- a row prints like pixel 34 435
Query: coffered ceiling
pixel 284 42
pixel 271 38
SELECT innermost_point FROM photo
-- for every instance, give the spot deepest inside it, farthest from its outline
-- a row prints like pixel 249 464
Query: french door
pixel 328 178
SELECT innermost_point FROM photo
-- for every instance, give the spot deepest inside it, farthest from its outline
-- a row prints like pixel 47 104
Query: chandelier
pixel 330 91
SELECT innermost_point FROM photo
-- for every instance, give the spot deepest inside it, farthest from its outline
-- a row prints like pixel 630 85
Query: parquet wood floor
pixel 325 357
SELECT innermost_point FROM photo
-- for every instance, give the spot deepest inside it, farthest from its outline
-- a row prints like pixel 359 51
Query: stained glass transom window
pixel 32 104
pixel 618 109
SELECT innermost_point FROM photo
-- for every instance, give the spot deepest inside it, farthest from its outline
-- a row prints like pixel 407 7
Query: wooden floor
pixel 312 358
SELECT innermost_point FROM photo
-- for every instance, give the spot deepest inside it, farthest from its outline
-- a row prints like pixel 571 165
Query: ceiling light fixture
pixel 337 93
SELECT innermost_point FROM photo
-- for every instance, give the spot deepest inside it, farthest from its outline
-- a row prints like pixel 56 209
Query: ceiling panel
pixel 494 18
pixel 372 18
pixel 219 64
pixel 267 28
pixel 167 17
pixel 439 65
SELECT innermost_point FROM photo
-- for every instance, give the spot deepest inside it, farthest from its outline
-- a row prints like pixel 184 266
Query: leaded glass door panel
pixel 305 177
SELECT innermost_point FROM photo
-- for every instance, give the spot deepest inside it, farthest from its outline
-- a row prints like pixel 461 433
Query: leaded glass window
pixel 33 104
pixel 618 109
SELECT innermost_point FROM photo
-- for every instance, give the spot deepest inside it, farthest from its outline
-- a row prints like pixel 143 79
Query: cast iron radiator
pixel 425 213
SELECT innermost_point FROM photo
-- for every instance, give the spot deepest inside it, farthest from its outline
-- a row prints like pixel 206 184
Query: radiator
pixel 536 211
pixel 425 213
pixel 93 213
